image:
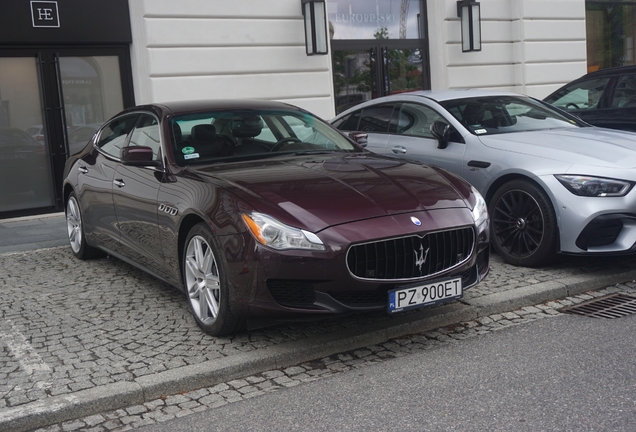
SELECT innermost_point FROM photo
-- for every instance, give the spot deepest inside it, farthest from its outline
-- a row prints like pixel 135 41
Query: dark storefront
pixel 611 33
pixel 378 48
pixel 64 69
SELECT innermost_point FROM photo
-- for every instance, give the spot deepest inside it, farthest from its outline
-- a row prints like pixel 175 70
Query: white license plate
pixel 418 296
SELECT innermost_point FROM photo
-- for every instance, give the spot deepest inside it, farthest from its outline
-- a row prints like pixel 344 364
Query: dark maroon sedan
pixel 260 209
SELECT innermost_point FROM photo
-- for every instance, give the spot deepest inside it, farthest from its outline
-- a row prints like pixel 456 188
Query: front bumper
pixel 268 283
pixel 594 225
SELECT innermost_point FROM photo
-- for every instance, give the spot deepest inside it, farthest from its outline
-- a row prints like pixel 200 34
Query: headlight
pixel 269 232
pixel 594 186
pixel 480 211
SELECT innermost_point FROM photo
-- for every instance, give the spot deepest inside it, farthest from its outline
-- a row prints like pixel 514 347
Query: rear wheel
pixel 205 280
pixel 524 229
pixel 75 230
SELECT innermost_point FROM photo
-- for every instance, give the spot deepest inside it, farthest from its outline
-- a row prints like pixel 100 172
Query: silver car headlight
pixel 480 211
pixel 269 232
pixel 594 186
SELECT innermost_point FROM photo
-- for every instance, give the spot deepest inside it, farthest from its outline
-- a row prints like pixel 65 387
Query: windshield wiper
pixel 313 152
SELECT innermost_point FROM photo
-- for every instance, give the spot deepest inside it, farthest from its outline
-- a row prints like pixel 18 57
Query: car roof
pixel 450 94
pixel 620 70
pixel 184 107
pixel 435 95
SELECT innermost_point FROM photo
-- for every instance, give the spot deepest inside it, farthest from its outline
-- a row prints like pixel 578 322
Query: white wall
pixel 214 49
pixel 528 46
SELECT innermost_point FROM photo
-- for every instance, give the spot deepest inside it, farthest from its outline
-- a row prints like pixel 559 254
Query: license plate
pixel 418 296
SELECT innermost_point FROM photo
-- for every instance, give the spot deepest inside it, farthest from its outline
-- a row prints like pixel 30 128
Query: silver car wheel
pixel 202 280
pixel 74 224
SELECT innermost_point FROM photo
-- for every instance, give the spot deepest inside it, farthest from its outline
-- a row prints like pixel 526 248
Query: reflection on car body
pixel 260 209
pixel 553 182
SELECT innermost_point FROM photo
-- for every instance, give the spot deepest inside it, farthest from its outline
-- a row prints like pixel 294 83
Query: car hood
pixel 321 191
pixel 582 146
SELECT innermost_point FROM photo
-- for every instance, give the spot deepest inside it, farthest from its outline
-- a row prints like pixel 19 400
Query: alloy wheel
pixel 202 280
pixel 518 223
pixel 74 224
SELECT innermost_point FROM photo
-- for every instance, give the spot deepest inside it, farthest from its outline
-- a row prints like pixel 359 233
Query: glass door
pixel 51 103
pixel 25 168
pixel 374 71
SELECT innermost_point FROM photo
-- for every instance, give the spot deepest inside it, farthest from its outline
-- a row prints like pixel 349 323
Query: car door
pixel 96 171
pixel 135 191
pixel 374 120
pixel 413 139
pixel 621 110
pixel 582 98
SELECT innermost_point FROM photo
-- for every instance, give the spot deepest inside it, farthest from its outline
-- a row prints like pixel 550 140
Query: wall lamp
pixel 470 15
pixel 315 26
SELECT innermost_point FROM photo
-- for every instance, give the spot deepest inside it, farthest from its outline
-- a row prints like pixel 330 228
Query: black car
pixel 605 98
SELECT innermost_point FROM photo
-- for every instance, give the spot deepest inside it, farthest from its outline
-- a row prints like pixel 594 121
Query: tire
pixel 75 231
pixel 206 285
pixel 523 224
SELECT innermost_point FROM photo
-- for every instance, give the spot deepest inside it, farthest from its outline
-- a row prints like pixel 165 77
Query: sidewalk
pixel 32 232
pixel 88 363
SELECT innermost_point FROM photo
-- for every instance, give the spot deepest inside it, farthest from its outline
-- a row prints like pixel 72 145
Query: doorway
pixel 364 71
pixel 51 103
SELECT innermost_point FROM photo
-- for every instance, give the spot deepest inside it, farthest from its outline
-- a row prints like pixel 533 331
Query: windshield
pixel 224 136
pixel 503 114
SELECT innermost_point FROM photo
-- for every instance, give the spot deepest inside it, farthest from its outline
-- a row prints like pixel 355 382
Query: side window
pixel 350 122
pixel 146 134
pixel 416 120
pixel 113 136
pixel 376 118
pixel 625 93
pixel 583 95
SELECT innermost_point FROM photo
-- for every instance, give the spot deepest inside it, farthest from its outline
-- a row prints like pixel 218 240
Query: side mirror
pixel 138 156
pixel 359 137
pixel 441 131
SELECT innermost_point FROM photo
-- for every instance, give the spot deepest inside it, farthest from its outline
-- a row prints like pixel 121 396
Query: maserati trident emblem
pixel 420 258
pixel 416 221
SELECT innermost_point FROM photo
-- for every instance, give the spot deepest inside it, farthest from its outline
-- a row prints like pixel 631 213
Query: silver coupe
pixel 552 182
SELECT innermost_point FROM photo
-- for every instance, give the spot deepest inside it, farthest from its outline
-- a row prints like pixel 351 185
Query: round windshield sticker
pixel 187 150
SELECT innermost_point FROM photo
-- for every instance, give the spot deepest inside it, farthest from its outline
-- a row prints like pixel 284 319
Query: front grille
pixel 411 257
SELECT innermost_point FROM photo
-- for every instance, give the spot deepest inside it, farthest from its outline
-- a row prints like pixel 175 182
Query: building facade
pixel 66 66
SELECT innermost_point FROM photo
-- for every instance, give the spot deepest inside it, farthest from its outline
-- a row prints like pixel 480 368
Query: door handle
pixel 82 169
pixel 478 164
pixel 119 183
pixel 399 150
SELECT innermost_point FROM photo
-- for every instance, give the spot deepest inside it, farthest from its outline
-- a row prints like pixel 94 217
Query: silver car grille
pixel 411 257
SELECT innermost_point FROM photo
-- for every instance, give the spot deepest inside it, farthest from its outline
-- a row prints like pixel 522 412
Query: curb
pixel 119 395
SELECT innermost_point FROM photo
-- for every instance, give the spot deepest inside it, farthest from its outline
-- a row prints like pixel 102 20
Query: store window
pixel 611 32
pixel 25 170
pixel 363 19
pixel 379 48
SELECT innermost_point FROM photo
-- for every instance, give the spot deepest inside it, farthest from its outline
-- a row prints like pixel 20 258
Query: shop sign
pixel 45 14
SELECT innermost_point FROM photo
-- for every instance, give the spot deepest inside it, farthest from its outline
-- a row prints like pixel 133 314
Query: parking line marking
pixel 30 361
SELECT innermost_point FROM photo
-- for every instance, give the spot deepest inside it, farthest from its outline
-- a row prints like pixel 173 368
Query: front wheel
pixel 523 224
pixel 75 230
pixel 205 280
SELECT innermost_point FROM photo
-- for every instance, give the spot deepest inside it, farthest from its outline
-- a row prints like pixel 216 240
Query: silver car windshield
pixel 505 114
pixel 224 136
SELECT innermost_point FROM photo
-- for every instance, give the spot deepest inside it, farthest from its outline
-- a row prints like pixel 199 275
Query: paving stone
pixel 102 321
